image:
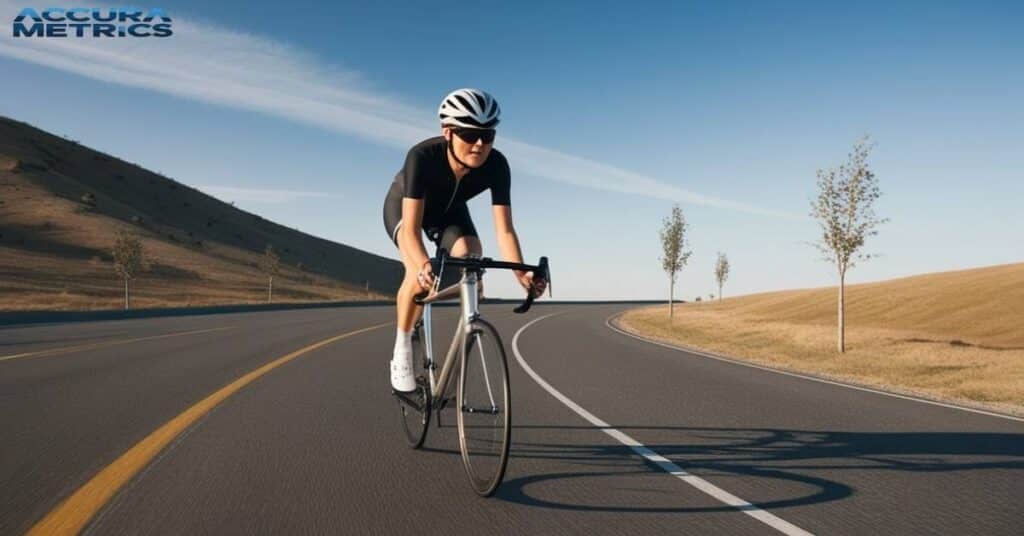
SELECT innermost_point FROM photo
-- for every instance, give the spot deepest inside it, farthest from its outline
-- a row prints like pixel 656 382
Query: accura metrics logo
pixel 59 22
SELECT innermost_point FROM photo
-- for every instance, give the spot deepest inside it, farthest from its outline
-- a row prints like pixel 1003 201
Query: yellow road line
pixel 104 344
pixel 71 516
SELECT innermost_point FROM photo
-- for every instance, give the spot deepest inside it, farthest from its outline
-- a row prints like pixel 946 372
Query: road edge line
pixel 662 462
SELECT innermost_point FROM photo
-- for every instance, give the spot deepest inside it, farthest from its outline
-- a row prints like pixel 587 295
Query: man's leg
pixel 467 245
pixel 408 312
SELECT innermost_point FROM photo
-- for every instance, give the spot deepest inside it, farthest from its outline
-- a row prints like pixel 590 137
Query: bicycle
pixel 483 396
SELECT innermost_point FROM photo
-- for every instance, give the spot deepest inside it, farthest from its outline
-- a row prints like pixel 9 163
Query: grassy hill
pixel 61 204
pixel 954 336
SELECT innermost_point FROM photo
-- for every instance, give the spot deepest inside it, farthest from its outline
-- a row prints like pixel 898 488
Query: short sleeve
pixel 501 188
pixel 414 184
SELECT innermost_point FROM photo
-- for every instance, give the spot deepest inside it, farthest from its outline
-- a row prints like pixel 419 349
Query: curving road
pixel 611 435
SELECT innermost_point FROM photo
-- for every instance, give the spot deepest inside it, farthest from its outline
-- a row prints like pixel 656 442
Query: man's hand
pixel 533 286
pixel 426 276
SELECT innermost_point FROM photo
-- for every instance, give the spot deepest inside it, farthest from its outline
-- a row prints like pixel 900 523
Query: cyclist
pixel 429 195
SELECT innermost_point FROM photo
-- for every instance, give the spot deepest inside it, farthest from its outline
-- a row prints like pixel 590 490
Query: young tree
pixel 129 259
pixel 270 265
pixel 721 272
pixel 674 255
pixel 845 210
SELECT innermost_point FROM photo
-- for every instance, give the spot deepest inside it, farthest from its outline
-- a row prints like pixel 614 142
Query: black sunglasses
pixel 471 135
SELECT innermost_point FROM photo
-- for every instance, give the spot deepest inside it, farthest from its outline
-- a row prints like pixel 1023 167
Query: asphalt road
pixel 313 446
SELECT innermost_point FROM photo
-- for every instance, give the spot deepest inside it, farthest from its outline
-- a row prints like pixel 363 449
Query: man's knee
pixel 409 282
pixel 466 245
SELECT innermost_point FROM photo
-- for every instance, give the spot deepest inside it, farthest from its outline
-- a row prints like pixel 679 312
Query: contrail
pixel 215 65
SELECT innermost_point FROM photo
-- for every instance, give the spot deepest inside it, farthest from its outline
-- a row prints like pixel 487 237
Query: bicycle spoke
pixel 483 364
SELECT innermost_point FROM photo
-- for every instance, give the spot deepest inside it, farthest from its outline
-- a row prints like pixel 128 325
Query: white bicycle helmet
pixel 469 108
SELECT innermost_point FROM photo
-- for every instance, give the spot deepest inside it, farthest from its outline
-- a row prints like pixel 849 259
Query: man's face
pixel 472 153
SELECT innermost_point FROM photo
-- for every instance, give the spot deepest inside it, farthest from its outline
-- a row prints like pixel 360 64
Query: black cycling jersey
pixel 427 175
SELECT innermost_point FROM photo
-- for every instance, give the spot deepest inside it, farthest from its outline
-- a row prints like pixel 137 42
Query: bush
pixel 89 199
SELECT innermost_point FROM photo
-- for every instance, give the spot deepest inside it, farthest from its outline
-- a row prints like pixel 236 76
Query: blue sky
pixel 611 114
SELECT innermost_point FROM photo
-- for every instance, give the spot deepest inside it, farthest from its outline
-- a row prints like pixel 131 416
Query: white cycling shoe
pixel 402 377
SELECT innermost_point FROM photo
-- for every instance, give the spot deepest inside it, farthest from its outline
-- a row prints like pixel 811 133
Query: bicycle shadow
pixel 762 453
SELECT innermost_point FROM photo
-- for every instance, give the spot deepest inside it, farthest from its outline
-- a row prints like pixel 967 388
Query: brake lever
pixel 545 273
pixel 547 278
pixel 525 306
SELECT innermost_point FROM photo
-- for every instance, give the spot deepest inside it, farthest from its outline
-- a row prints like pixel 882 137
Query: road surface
pixel 305 439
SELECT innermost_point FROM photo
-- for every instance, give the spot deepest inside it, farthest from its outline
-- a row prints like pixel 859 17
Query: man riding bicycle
pixel 429 195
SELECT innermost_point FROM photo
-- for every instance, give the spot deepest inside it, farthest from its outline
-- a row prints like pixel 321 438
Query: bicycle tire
pixel 484 408
pixel 415 408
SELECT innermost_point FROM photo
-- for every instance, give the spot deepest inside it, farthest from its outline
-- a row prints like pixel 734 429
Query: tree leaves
pixel 721 268
pixel 270 262
pixel 673 242
pixel 129 255
pixel 844 208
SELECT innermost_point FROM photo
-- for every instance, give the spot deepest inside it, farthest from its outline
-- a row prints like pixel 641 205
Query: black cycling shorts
pixel 443 231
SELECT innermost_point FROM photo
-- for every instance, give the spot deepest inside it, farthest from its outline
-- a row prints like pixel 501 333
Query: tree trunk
pixel 270 289
pixel 671 291
pixel 719 292
pixel 842 307
pixel 126 294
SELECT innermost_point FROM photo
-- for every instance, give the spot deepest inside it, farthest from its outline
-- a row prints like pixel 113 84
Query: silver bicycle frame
pixel 466 289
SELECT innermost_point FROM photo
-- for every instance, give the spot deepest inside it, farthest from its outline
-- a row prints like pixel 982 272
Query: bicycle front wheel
pixel 414 407
pixel 484 402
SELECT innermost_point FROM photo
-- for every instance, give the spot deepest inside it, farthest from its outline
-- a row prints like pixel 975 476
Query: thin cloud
pixel 211 64
pixel 256 195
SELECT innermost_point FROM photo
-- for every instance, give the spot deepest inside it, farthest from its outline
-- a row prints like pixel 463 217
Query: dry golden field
pixel 954 336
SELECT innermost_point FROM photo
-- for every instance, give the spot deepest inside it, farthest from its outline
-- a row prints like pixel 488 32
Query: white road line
pixel 718 493
pixel 684 349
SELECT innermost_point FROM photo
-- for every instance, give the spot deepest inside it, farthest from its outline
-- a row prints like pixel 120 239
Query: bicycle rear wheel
pixel 484 403
pixel 415 407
